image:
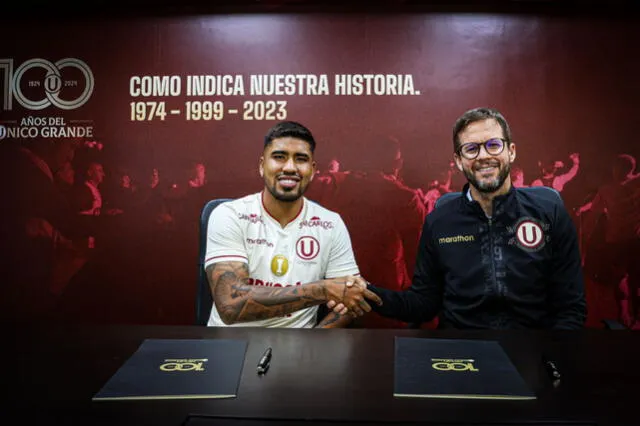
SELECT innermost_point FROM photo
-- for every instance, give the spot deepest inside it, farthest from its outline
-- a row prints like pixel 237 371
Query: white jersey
pixel 313 246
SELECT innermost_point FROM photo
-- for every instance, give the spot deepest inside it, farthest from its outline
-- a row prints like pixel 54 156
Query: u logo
pixel 529 234
pixel 53 82
pixel 307 247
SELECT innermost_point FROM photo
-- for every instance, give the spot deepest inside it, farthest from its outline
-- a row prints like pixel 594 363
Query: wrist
pixel 325 290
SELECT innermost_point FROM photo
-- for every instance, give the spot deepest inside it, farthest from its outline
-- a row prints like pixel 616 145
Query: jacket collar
pixel 501 204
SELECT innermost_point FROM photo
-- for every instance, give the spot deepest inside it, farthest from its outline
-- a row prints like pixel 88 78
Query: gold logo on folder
pixel 183 364
pixel 447 364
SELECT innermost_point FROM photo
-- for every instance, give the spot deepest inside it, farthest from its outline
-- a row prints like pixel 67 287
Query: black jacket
pixel 519 269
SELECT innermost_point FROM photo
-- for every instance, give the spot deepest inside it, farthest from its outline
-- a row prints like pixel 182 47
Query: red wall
pixel 565 85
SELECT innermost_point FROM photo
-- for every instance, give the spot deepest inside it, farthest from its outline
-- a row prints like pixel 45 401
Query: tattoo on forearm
pixel 335 320
pixel 237 301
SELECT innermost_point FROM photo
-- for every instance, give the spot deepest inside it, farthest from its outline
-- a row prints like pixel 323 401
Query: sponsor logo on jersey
pixel 253 218
pixel 259 242
pixel 315 221
pixel 456 239
pixel 265 283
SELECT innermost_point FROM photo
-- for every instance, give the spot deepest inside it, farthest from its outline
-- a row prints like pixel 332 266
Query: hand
pixel 339 308
pixel 359 282
pixel 575 157
pixel 348 295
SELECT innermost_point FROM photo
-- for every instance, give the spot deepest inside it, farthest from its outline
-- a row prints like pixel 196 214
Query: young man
pixel 494 256
pixel 267 253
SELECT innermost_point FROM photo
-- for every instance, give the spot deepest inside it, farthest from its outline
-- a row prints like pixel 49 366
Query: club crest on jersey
pixel 279 265
pixel 307 247
pixel 530 234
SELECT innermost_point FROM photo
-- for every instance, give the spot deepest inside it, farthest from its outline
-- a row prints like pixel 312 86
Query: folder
pixel 452 368
pixel 178 369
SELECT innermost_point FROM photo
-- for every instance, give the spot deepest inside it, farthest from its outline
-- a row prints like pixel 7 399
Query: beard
pixel 288 195
pixel 492 185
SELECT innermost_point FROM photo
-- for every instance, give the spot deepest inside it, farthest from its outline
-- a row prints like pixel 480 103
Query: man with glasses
pixel 492 256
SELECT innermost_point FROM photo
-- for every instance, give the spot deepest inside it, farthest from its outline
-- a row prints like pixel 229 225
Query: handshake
pixel 349 295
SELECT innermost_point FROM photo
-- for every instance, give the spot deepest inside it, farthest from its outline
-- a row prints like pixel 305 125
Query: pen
pixel 552 370
pixel 263 365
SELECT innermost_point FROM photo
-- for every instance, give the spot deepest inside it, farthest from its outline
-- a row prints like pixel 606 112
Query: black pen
pixel 552 370
pixel 263 365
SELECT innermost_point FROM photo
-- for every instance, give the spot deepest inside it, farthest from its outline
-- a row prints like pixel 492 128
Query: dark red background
pixel 565 83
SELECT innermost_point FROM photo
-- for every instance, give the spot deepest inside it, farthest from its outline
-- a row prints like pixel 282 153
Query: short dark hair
pixel 479 114
pixel 290 129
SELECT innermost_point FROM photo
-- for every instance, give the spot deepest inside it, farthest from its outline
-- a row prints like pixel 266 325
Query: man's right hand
pixel 349 293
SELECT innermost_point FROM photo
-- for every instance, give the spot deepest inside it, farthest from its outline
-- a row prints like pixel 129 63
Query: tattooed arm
pixel 237 301
pixel 335 320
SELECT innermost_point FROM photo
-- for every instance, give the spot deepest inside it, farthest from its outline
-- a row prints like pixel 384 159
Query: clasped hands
pixel 350 295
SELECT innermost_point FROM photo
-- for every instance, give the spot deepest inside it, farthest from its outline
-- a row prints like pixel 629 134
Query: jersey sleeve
pixel 341 258
pixel 225 242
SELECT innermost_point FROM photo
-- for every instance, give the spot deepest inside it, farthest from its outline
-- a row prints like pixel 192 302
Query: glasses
pixel 493 146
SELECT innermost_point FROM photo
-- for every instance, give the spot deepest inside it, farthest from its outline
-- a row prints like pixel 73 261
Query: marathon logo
pixel 253 218
pixel 255 281
pixel 260 241
pixel 457 239
pixel 316 222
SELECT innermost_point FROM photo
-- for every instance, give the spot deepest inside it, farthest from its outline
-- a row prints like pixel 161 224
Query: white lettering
pixel 147 86
pixel 289 84
pixel 374 84
pixel 67 132
pixel 215 85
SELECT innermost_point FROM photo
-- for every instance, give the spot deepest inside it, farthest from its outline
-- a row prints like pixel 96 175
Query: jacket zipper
pixel 493 260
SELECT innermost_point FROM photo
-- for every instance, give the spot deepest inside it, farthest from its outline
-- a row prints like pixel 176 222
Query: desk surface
pixel 325 376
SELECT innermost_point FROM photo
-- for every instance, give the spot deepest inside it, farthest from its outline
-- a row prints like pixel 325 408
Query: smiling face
pixel 287 167
pixel 486 173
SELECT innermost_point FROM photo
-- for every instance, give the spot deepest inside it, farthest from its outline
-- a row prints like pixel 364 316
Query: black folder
pixel 452 368
pixel 178 369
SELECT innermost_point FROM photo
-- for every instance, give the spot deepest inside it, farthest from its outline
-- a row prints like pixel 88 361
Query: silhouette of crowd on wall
pixel 84 240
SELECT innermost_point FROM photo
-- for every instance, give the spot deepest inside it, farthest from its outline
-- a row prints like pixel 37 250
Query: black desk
pixel 325 376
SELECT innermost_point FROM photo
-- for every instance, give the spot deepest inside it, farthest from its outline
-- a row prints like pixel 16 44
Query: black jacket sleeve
pixel 566 288
pixel 422 301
